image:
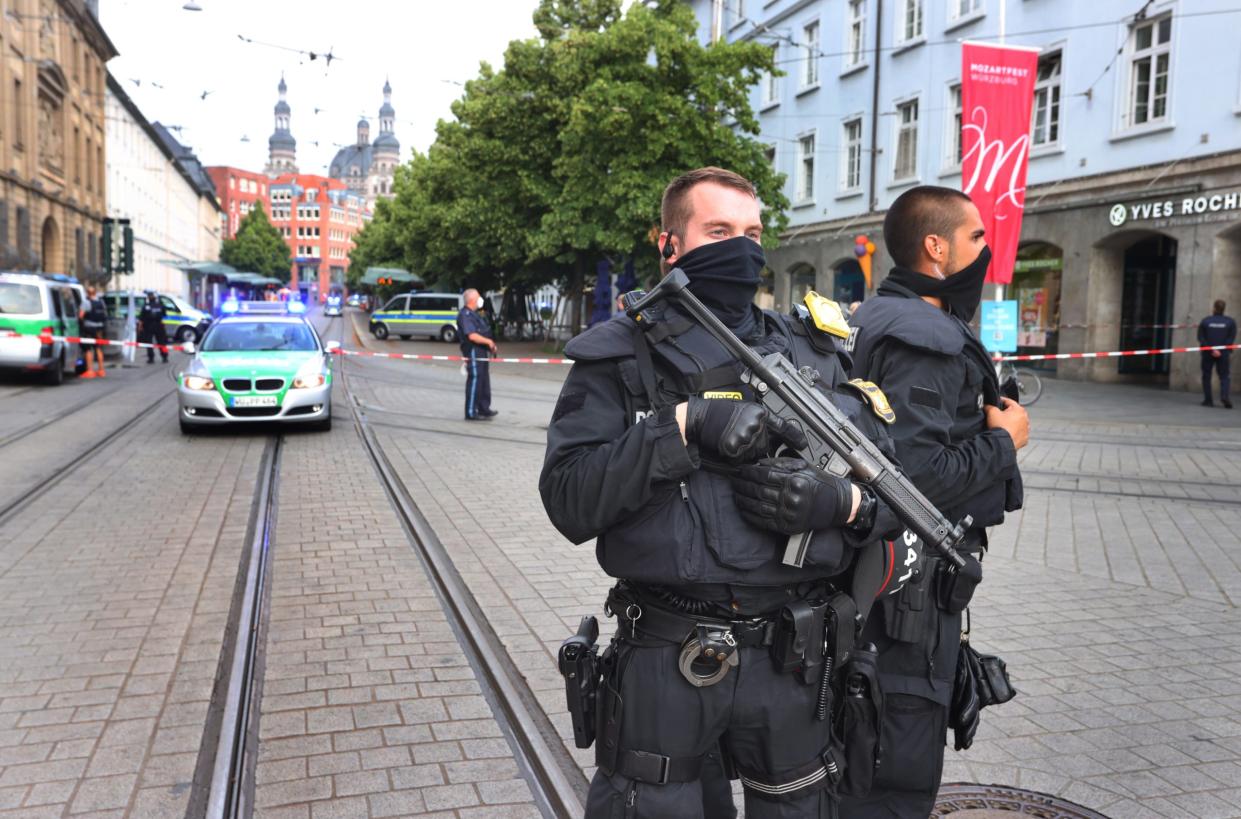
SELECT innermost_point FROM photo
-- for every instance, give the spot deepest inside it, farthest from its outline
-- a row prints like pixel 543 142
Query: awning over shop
pixel 395 274
pixel 206 269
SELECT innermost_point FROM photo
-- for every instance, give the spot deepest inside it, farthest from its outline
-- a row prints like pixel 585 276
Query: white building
pixel 154 182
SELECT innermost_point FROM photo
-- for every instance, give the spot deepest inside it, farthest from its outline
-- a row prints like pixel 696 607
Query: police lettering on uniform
pixel 475 335
pixel 957 439
pixel 151 327
pixel 1215 330
pixel 657 449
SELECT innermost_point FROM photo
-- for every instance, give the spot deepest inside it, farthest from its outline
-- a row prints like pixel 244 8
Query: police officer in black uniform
pixel 1215 330
pixel 151 327
pixel 655 450
pixel 957 439
pixel 477 344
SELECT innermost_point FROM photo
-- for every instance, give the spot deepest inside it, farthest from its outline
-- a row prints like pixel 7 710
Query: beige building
pixel 52 178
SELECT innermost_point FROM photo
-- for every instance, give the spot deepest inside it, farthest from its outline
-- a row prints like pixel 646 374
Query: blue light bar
pixel 296 307
pixel 230 306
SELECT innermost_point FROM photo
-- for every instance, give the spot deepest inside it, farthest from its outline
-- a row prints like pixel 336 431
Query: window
pixel 909 21
pixel 952 139
pixel 805 168
pixel 90 171
pixel 1151 54
pixel 855 33
pixel 906 165
pixel 810 41
pixel 960 9
pixel 19 106
pixel 851 175
pixel 232 183
pixel 77 155
pixel 1045 116
pixel 771 83
pixel 770 153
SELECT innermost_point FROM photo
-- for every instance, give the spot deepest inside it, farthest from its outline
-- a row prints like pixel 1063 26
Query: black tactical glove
pixel 788 495
pixel 739 431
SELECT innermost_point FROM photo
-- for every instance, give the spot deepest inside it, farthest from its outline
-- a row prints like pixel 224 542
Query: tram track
pixel 554 777
pixel 224 778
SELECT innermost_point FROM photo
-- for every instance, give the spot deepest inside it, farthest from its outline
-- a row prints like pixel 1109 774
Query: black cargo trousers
pixel 764 719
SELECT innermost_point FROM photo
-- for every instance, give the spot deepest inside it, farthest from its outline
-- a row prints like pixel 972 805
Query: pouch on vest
pixel 907 615
pixel 860 721
pixel 955 587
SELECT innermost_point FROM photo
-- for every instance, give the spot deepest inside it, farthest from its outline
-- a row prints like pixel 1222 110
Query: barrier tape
pixel 1054 328
pixel 423 357
pixel 1115 353
pixel 47 338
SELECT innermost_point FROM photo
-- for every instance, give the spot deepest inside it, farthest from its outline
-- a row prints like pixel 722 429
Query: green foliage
pixel 561 158
pixel 258 247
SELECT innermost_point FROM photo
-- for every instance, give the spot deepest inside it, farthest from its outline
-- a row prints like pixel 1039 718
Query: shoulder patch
pixel 827 315
pixel 875 399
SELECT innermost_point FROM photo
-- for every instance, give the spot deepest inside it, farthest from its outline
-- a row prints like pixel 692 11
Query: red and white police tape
pixel 47 338
pixel 1115 353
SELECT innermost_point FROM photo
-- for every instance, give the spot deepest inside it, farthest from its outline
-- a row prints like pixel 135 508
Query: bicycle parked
pixel 1029 385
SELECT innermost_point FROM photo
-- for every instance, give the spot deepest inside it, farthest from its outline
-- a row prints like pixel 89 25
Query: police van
pixel 182 321
pixel 433 315
pixel 36 306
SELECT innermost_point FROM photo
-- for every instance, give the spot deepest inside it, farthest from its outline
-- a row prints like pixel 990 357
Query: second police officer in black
pixel 957 440
pixel 654 450
pixel 151 327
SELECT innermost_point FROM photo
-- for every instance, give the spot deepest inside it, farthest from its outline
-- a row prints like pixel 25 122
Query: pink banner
pixel 997 90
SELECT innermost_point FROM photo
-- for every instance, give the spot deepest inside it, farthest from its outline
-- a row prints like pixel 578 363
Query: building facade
pixel 317 216
pixel 1132 220
pixel 52 177
pixel 238 191
pixel 367 167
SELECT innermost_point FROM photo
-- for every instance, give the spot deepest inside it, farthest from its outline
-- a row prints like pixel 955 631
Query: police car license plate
pixel 254 401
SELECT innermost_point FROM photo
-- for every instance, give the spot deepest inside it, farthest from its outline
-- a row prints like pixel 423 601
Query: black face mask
pixel 961 292
pixel 725 276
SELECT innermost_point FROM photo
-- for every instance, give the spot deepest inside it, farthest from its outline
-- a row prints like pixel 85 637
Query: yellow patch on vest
pixel 827 315
pixel 874 397
pixel 728 395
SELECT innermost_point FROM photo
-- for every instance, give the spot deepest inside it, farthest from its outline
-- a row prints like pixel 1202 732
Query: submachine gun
pixel 834 444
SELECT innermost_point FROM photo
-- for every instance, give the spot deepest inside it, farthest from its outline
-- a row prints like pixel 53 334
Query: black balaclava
pixel 961 292
pixel 725 276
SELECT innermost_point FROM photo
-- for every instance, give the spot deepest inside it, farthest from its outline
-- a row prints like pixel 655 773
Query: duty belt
pixel 638 613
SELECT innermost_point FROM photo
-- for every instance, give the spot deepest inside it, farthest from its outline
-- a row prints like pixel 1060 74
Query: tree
pixel 559 160
pixel 258 247
pixel 375 244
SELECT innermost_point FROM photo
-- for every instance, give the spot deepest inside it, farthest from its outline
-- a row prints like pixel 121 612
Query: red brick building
pixel 317 216
pixel 237 191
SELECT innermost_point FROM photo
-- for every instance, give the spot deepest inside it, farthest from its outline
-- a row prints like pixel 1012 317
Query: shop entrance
pixel 1036 288
pixel 850 284
pixel 1146 304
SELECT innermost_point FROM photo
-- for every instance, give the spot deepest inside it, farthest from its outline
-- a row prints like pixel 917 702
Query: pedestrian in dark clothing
pixel 1214 330
pixel 957 439
pixel 477 345
pixel 657 449
pixel 151 327
pixel 94 319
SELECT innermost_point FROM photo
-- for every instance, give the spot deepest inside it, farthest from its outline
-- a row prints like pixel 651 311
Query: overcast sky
pixel 425 47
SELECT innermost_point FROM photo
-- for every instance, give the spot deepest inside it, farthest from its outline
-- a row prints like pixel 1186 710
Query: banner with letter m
pixel 997 90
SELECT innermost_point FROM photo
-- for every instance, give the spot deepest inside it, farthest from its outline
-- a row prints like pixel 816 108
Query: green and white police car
pixel 257 368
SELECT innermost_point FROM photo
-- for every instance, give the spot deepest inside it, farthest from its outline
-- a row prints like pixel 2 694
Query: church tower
pixel 387 150
pixel 281 146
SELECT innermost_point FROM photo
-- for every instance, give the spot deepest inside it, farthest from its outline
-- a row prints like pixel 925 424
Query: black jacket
pixel 937 376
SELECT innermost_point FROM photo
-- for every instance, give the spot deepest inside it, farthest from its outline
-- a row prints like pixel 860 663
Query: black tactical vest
pixel 691 531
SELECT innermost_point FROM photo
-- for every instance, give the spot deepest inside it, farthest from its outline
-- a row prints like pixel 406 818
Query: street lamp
pixel 192 6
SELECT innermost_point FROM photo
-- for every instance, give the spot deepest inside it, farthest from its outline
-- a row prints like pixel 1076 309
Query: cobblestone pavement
pixel 114 589
pixel 1111 597
pixel 370 707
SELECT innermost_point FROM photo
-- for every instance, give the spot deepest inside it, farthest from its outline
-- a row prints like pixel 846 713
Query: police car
pixel 418 314
pixel 257 367
pixel 182 321
pixel 32 306
pixel 334 306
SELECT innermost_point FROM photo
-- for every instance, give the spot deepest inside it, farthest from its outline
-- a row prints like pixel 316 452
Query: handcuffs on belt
pixel 707 655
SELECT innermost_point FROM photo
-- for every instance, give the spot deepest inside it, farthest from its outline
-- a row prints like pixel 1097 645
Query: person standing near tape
pixel 94 318
pixel 657 449
pixel 957 439
pixel 477 345
pixel 1217 329
pixel 151 327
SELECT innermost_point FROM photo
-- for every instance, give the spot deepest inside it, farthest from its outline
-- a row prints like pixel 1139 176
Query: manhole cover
pixel 962 800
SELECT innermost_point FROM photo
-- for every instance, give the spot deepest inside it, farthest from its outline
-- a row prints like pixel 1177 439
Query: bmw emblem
pixel 1118 215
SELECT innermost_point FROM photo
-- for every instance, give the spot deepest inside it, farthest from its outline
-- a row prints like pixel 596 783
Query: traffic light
pixel 127 247
pixel 105 248
pixel 384 280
